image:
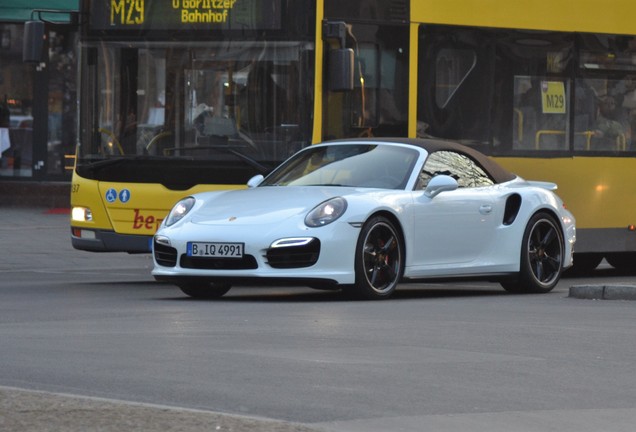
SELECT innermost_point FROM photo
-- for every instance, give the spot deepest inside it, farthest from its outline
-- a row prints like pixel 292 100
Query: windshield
pixel 246 103
pixel 355 165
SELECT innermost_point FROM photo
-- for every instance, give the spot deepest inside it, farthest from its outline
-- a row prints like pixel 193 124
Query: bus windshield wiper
pixel 97 163
pixel 262 169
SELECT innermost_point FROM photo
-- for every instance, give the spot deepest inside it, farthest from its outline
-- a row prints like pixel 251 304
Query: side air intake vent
pixel 513 204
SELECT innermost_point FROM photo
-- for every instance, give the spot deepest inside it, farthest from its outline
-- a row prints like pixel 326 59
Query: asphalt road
pixel 89 342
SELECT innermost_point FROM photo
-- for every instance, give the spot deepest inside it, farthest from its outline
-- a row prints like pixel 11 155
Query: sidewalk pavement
pixel 34 411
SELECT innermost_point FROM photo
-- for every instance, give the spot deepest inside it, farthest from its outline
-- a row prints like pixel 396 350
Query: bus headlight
pixel 180 210
pixel 81 214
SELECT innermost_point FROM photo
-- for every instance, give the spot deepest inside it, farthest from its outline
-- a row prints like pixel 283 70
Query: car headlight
pixel 326 212
pixel 179 210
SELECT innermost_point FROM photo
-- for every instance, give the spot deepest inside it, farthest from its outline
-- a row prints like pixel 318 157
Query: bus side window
pixel 455 84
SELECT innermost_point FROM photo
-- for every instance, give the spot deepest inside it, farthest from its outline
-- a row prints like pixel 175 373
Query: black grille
pixel 294 256
pixel 248 262
pixel 165 255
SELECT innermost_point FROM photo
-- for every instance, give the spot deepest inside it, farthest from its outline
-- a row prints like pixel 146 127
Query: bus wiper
pixel 90 162
pixel 98 165
pixel 262 169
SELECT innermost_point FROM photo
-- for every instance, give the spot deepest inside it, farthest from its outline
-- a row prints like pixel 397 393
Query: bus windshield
pixel 242 103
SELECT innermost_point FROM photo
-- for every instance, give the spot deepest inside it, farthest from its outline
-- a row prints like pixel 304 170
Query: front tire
pixel 379 261
pixel 542 250
pixel 205 290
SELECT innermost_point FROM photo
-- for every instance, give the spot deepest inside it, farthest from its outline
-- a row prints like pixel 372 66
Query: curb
pixel 603 292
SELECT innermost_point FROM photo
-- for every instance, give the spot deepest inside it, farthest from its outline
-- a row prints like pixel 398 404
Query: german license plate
pixel 215 250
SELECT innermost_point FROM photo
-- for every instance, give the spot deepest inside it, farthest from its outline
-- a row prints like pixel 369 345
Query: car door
pixel 454 228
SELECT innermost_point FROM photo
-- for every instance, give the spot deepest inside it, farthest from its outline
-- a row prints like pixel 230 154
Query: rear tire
pixel 379 261
pixel 542 251
pixel 205 290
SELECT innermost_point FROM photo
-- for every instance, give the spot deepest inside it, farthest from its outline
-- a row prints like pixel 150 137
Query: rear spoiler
pixel 544 185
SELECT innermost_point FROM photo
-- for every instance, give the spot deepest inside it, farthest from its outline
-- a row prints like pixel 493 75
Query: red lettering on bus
pixel 148 222
pixel 139 220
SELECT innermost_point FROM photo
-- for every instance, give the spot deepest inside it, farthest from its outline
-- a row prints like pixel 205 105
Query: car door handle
pixel 485 209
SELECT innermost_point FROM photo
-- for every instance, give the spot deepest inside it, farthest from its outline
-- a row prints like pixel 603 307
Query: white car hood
pixel 262 205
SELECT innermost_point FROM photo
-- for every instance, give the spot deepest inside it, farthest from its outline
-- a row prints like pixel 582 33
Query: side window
pixel 526 92
pixel 452 67
pixel 459 166
pixel 455 84
pixel 378 103
pixel 605 104
pixel 540 114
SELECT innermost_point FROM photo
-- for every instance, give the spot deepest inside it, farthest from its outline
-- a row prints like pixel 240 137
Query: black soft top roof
pixel 497 172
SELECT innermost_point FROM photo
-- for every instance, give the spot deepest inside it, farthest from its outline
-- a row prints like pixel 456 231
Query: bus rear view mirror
pixel 33 41
pixel 340 69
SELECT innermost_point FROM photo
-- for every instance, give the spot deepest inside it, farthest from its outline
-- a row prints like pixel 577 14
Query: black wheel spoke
pixel 554 263
pixel 374 276
pixel 538 270
pixel 389 245
pixel 390 272
pixel 549 237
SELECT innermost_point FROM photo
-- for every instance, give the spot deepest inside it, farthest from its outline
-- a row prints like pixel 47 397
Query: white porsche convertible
pixel 364 215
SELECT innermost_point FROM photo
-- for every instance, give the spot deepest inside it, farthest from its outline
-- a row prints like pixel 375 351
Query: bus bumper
pixel 109 241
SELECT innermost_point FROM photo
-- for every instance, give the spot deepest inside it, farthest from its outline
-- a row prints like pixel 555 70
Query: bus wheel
pixel 624 261
pixel 205 290
pixel 541 257
pixel 585 262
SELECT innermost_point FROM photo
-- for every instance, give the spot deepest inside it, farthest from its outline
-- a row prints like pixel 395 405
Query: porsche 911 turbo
pixel 366 215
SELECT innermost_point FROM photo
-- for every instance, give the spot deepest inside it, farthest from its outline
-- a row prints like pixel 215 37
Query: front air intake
pixel 295 255
pixel 165 256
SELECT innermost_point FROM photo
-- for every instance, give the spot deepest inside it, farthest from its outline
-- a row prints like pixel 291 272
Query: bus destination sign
pixel 174 15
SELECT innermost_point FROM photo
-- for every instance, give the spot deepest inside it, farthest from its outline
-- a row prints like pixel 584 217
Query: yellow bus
pixel 178 96
pixel 548 88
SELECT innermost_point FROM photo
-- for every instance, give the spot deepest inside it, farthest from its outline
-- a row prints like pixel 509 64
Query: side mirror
pixel 439 184
pixel 255 181
pixel 33 41
pixel 339 60
pixel 340 69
